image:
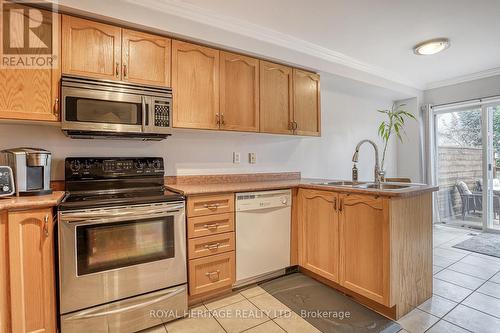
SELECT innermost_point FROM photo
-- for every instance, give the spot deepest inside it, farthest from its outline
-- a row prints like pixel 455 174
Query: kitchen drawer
pixel 210 204
pixel 211 273
pixel 210 225
pixel 209 245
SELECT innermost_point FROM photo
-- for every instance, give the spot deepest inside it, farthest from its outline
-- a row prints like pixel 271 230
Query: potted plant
pixel 393 125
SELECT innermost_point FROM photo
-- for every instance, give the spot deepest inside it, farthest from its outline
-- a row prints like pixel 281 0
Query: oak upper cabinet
pixel 145 58
pixel 318 232
pixel 364 246
pixel 276 102
pixel 306 103
pixel 195 84
pixel 239 92
pixel 32 94
pixel 31 267
pixel 91 48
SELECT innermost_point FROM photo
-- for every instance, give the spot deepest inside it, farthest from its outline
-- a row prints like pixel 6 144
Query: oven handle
pixel 99 313
pixel 115 214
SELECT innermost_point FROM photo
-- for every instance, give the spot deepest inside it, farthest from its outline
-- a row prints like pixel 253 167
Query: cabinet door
pixel 319 232
pixel 239 92
pixel 146 58
pixel 276 103
pixel 195 84
pixel 364 246
pixel 4 275
pixel 33 94
pixel 306 103
pixel 91 48
pixel 32 278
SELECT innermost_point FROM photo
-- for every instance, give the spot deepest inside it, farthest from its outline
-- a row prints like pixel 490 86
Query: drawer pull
pixel 211 226
pixel 211 206
pixel 213 246
pixel 214 276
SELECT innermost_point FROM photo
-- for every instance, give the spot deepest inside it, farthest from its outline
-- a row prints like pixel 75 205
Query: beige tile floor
pixel 466 299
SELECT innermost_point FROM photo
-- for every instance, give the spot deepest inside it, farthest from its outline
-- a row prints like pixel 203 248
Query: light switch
pixel 252 158
pixel 236 158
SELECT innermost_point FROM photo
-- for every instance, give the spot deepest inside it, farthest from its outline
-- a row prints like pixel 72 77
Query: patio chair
pixel 496 197
pixel 471 201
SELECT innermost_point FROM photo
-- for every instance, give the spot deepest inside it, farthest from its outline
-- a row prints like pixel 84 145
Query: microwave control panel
pixel 6 181
pixel 162 114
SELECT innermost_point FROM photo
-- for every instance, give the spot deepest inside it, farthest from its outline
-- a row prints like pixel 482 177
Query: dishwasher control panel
pixel 263 200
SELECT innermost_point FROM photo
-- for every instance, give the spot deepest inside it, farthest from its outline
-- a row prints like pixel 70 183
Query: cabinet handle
pixel 290 126
pixel 295 125
pixel 213 246
pixel 335 204
pixel 214 273
pixel 211 226
pixel 125 71
pixel 222 122
pixel 211 206
pixel 46 226
pixel 117 70
pixel 217 119
pixel 56 107
pixel 341 205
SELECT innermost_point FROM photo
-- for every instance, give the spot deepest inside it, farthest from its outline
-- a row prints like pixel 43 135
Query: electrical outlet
pixel 236 158
pixel 252 158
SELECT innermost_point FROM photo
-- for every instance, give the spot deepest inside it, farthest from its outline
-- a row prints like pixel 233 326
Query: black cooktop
pixel 103 182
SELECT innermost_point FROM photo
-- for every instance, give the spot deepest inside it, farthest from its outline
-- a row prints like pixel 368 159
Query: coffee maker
pixel 31 168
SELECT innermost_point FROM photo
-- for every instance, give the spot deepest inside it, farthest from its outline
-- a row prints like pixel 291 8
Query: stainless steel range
pixel 122 248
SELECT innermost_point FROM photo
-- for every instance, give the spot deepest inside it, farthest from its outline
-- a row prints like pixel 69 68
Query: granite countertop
pixel 310 183
pixel 31 202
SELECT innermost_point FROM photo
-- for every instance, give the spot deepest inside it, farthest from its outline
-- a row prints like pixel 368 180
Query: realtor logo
pixel 28 36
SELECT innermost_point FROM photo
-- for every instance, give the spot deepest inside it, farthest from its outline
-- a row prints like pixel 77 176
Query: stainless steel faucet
pixel 378 174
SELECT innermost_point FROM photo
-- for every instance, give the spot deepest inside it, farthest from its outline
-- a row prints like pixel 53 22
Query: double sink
pixel 366 185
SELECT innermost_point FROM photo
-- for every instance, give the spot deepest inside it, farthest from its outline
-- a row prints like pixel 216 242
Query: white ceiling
pixel 379 34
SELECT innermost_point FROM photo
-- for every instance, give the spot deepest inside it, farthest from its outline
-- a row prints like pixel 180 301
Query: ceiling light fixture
pixel 432 46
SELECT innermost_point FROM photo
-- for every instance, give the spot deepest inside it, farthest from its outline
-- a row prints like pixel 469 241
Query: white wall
pixel 486 87
pixel 409 152
pixel 348 115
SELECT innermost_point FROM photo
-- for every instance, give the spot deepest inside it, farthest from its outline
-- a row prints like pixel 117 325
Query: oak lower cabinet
pixel 364 246
pixel 32 93
pixel 28 270
pixel 195 85
pixel 276 98
pixel 318 233
pixel 306 103
pixel 211 245
pixel 377 248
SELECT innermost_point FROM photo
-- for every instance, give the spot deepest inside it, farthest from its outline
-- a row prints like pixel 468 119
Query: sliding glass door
pixel 466 166
pixel 492 111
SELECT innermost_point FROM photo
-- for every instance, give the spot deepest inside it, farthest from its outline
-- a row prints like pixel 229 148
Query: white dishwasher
pixel 262 235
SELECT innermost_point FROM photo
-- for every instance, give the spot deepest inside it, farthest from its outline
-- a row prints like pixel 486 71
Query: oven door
pixel 86 109
pixel 112 253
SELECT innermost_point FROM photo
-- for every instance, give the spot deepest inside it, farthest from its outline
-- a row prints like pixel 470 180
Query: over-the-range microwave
pixel 94 108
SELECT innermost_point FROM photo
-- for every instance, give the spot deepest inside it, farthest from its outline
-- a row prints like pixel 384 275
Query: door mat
pixel 484 243
pixel 325 308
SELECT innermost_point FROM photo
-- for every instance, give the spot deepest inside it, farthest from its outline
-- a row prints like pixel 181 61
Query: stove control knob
pixel 156 164
pixel 5 188
pixel 86 165
pixel 75 166
pixel 139 165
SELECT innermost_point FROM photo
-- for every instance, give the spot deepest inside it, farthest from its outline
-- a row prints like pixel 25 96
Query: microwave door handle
pixel 143 102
